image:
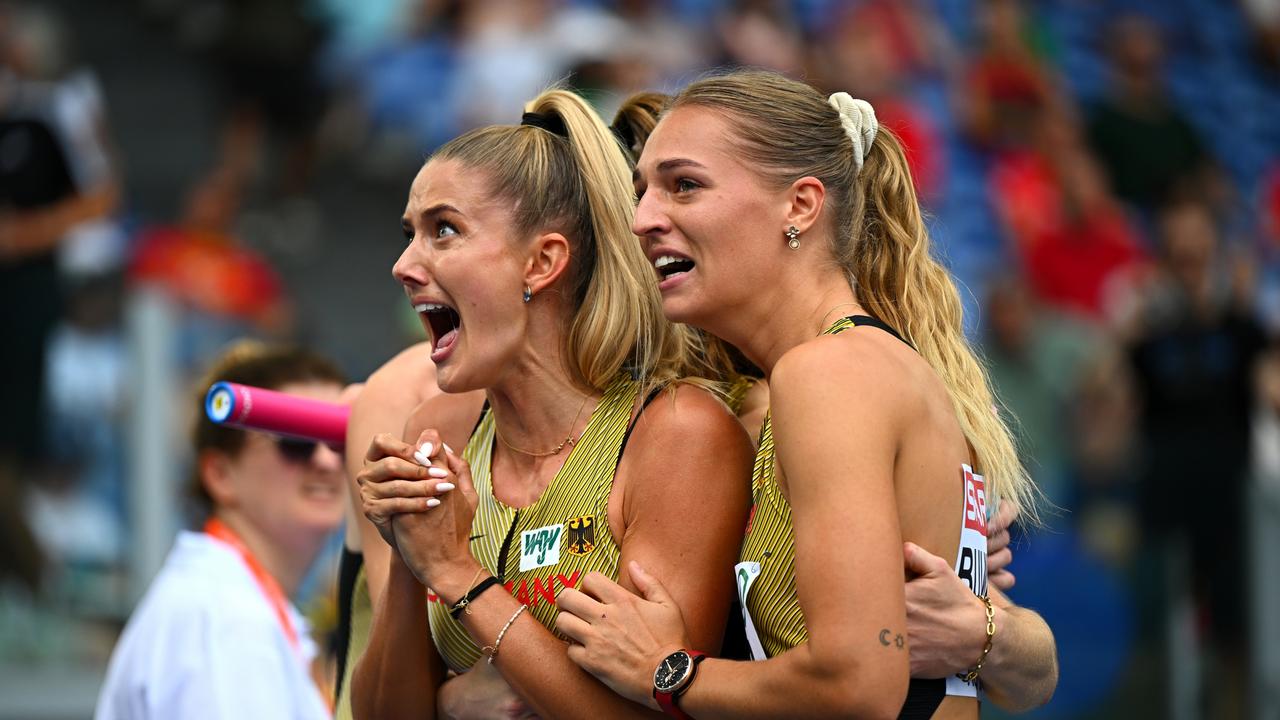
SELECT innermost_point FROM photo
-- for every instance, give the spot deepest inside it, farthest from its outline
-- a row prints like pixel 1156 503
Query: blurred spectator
pixel 506 54
pixel 201 264
pixel 216 635
pixel 1192 361
pixel 1007 85
pixel 1073 239
pixel 876 50
pixel 54 178
pixel 266 54
pixel 1145 143
pixel 760 33
pixel 1264 18
pixel 1037 361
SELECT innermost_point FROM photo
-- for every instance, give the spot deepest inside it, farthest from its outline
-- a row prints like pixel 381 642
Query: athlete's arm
pixel 683 506
pixel 400 671
pixel 388 398
pixel 1021 672
pixel 847 546
pixel 947 624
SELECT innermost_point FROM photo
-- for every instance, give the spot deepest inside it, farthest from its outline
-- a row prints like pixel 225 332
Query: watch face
pixel 673 671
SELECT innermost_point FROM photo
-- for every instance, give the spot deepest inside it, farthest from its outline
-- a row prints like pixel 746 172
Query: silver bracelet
pixel 498 643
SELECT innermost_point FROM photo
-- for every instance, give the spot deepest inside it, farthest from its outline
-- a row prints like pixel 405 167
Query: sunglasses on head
pixel 296 451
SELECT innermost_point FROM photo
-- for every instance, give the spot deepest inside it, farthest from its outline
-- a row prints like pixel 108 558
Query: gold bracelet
pixel 498 643
pixel 991 634
pixel 463 602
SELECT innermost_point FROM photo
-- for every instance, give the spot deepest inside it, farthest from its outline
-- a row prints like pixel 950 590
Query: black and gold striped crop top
pixel 552 544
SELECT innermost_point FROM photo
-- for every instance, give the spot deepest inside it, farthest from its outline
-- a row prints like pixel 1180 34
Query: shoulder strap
pixel 867 320
pixel 653 394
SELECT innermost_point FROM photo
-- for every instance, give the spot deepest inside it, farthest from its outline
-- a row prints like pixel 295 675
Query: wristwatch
pixel 673 677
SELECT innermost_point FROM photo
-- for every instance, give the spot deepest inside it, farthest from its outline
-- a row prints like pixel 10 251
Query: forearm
pixel 1021 671
pixel 535 663
pixel 400 670
pixel 795 684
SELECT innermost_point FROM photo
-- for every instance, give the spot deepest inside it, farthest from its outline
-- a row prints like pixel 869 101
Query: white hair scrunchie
pixel 859 121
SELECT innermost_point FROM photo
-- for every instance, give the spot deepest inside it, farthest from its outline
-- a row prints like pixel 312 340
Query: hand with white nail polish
pixel 399 478
pixel 435 545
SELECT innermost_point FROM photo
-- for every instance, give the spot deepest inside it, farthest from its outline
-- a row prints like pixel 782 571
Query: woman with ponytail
pixel 592 449
pixel 786 224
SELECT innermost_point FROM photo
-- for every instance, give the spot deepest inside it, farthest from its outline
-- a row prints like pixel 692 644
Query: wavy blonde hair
pixel 580 185
pixel 789 131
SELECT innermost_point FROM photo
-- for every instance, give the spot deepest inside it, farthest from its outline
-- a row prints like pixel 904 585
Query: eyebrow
pixel 671 164
pixel 432 211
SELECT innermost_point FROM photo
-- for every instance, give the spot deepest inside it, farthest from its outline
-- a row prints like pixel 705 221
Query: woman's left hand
pixel 946 622
pixel 436 544
pixel 618 637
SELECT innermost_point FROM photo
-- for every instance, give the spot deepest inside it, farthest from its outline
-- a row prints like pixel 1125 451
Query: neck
pixel 535 407
pixel 777 322
pixel 287 563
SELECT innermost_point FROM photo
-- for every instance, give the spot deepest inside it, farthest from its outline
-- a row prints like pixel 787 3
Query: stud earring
pixel 793 237
pixel 528 293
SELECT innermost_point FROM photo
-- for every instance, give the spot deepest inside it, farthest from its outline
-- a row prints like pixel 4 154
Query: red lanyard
pixel 216 529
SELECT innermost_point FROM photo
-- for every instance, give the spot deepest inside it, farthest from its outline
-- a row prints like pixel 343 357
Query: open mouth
pixel 669 266
pixel 443 322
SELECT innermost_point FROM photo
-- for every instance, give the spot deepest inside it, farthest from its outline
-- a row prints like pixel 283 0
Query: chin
pixel 683 310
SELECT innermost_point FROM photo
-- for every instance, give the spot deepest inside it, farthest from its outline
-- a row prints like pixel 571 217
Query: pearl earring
pixel 793 237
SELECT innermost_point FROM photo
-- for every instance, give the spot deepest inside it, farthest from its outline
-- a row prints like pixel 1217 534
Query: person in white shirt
pixel 216 636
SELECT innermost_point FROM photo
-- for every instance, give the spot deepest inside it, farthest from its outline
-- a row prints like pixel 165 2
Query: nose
pixel 409 270
pixel 649 219
pixel 326 459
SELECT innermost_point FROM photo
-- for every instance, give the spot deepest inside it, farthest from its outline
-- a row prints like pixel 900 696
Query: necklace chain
pixel 569 439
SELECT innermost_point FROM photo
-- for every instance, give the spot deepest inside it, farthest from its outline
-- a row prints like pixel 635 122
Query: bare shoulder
pixel 410 366
pixel 687 444
pixel 687 416
pixel 451 415
pixel 851 370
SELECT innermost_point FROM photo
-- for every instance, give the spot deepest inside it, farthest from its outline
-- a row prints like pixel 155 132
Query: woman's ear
pixel 804 202
pixel 217 476
pixel 549 256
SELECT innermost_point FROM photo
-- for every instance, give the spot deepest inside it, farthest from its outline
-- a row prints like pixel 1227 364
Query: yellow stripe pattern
pixel 772 602
pixel 576 501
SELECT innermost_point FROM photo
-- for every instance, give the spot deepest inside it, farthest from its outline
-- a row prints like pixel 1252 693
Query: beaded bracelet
pixel 991 634
pixel 493 650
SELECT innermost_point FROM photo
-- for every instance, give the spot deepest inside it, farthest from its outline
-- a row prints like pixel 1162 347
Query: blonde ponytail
pixel 897 279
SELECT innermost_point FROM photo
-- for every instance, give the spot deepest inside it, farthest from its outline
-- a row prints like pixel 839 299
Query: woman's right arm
pixel 400 670
pixel 386 402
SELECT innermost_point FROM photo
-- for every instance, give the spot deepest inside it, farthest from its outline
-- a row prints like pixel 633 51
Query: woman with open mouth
pixel 787 224
pixel 591 449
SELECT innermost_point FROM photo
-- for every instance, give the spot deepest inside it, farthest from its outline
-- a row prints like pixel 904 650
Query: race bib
pixel 745 573
pixel 971 557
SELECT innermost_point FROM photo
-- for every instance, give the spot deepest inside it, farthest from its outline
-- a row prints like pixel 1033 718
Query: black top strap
pixel 653 394
pixel 861 320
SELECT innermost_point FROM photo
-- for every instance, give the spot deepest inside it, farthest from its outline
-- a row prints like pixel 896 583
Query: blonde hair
pixel 580 184
pixel 790 131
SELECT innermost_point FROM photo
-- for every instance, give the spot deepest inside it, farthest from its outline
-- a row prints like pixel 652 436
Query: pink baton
pixel 253 408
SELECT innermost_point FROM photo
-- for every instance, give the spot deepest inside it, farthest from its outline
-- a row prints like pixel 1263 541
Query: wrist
pixel 454 582
pixel 988 636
